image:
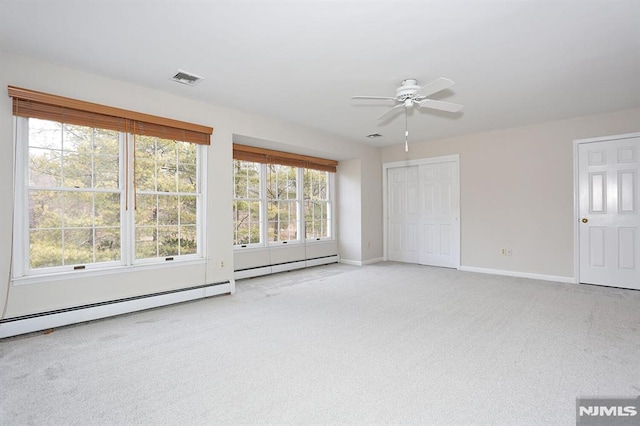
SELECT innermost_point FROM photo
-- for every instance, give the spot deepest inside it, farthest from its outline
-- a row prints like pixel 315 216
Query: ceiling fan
pixel 410 94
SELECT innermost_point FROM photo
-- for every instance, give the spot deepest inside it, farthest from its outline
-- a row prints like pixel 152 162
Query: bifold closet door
pixel 402 184
pixel 423 206
pixel 439 230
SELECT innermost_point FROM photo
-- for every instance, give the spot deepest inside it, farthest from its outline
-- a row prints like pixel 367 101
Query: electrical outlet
pixel 221 264
pixel 503 251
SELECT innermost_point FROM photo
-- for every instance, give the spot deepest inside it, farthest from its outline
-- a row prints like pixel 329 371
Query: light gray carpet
pixel 385 343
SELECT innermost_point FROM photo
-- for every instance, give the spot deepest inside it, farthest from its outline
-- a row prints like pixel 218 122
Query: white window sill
pixel 257 247
pixel 96 272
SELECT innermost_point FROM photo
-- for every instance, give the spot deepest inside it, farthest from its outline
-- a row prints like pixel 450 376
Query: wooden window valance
pixel 269 156
pixel 29 103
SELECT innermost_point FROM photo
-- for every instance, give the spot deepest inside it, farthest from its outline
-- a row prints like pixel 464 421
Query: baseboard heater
pixel 58 318
pixel 282 267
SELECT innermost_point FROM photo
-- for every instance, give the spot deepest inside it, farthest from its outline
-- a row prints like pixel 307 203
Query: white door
pixel 423 206
pixel 402 186
pixel 609 227
pixel 439 239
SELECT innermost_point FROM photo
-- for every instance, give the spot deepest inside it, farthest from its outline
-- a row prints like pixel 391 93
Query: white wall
pixel 372 238
pixel 516 189
pixel 349 209
pixel 360 191
pixel 55 294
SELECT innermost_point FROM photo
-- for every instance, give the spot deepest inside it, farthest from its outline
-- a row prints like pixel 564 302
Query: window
pixel 99 191
pixel 317 212
pixel 280 197
pixel 282 202
pixel 247 203
pixel 73 195
pixel 167 198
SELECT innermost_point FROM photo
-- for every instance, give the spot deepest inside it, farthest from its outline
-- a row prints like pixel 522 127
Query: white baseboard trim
pixel 322 261
pixel 30 323
pixel 289 266
pixel 361 263
pixel 283 267
pixel 556 278
pixel 253 272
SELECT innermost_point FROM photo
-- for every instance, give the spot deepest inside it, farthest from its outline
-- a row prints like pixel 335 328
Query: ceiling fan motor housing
pixel 407 89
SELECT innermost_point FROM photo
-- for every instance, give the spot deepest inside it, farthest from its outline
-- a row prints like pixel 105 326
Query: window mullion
pixel 331 205
pixel 92 170
pixel 300 204
pixel 21 196
pixel 200 202
pixel 264 206
pixel 157 196
pixel 127 189
pixel 63 177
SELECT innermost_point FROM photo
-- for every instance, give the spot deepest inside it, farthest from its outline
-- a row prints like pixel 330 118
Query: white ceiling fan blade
pixel 435 86
pixel 373 97
pixel 390 110
pixel 441 105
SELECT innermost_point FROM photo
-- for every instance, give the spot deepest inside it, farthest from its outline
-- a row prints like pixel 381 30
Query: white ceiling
pixel 514 62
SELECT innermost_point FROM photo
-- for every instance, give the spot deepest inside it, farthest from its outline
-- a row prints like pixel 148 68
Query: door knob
pixel 585 220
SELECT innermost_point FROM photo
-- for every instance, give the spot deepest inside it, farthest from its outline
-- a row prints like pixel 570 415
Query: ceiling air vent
pixel 187 78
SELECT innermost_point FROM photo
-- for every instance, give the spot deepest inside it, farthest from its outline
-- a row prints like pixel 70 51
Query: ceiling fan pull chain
pixel 406 131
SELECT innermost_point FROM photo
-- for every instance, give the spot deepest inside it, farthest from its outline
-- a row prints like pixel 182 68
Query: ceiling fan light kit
pixel 410 93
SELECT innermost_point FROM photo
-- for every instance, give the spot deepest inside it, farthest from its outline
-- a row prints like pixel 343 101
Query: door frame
pixel 576 194
pixel 385 197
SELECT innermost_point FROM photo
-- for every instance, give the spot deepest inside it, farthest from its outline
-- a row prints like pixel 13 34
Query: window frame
pixel 330 204
pixel 260 200
pixel 200 217
pixel 22 272
pixel 300 219
pixel 297 202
